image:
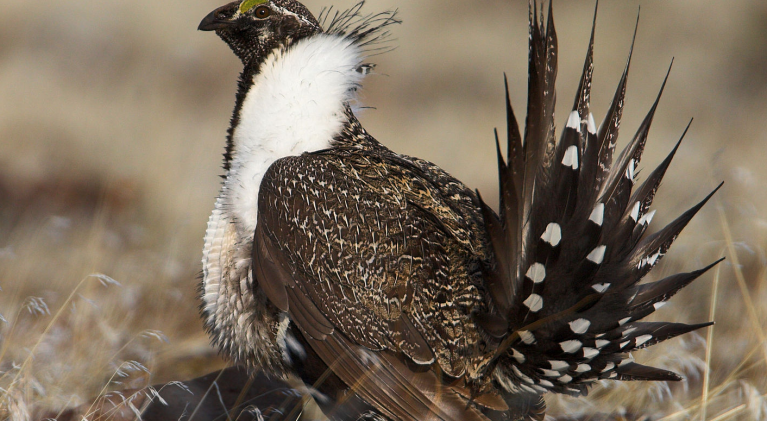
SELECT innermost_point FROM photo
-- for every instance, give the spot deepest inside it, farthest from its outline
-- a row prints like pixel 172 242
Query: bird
pixel 392 288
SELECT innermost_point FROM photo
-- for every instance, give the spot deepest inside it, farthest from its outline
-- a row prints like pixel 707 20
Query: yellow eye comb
pixel 249 4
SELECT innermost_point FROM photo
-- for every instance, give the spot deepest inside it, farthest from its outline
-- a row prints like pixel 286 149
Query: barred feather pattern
pixel 569 243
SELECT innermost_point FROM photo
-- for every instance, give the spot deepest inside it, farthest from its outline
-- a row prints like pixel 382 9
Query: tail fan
pixel 569 241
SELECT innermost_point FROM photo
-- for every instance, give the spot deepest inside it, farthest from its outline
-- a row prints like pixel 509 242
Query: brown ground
pixel 112 120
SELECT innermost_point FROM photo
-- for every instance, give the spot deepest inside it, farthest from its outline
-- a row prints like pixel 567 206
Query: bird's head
pixel 253 28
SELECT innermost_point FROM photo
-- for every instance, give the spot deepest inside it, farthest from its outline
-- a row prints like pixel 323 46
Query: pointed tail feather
pixel 569 244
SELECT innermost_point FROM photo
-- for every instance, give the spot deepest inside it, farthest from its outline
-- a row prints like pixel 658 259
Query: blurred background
pixel 112 123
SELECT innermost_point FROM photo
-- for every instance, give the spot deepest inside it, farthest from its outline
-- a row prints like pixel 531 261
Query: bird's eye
pixel 262 12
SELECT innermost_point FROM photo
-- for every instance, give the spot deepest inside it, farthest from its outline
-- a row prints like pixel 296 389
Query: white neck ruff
pixel 296 105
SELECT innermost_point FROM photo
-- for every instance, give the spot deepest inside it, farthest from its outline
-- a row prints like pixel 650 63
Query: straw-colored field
pixel 112 122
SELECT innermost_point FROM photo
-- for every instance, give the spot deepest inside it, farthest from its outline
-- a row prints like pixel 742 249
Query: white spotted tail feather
pixel 570 244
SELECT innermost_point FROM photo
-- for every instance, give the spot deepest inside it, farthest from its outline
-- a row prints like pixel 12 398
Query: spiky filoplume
pixel 390 286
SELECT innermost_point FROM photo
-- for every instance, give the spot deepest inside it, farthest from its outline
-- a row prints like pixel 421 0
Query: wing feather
pixel 357 249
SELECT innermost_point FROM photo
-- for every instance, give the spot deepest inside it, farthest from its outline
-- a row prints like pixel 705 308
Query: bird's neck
pixel 295 101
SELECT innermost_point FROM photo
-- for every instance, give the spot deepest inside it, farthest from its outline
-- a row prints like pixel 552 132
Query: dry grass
pixel 112 117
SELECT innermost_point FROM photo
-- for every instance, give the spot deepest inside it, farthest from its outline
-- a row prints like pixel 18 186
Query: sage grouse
pixel 389 285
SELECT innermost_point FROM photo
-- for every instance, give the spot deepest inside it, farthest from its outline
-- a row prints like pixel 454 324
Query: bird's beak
pixel 211 22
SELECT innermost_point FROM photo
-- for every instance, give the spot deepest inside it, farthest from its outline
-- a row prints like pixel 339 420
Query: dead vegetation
pixel 112 119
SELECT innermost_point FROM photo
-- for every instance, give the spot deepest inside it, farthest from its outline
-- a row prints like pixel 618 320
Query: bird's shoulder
pixel 396 179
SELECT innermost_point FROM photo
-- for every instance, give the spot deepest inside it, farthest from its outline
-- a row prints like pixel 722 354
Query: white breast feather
pixel 296 105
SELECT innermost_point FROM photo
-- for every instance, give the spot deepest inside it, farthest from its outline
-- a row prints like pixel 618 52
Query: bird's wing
pixel 354 248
